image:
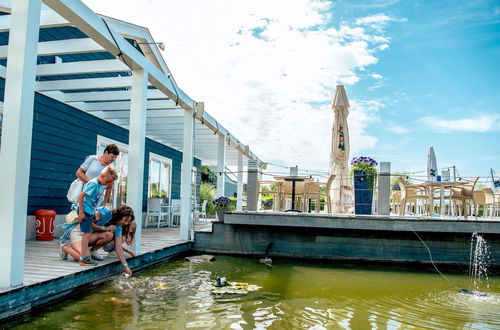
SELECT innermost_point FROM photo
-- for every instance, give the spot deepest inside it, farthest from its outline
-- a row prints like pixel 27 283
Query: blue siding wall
pixel 62 137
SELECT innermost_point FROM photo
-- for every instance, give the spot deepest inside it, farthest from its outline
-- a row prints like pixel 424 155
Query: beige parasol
pixel 341 189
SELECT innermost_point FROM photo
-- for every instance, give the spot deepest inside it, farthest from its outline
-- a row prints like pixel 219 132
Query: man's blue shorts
pixel 86 224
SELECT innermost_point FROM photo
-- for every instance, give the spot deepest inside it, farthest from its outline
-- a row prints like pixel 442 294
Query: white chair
pixel 156 210
pixel 201 213
pixel 175 212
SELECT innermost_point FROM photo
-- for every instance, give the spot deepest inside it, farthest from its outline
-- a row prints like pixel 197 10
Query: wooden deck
pixel 47 277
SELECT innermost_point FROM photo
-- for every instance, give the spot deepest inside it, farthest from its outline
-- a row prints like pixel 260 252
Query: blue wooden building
pixel 71 82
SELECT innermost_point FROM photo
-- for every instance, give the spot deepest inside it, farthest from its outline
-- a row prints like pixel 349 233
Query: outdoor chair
pixel 395 202
pixel 488 201
pixel 464 196
pixel 274 192
pixel 286 194
pixel 313 192
pixel 155 209
pixel 175 212
pixel 411 195
pixel 202 213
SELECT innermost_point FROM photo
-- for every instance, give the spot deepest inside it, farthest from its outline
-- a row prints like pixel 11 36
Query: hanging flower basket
pixel 365 173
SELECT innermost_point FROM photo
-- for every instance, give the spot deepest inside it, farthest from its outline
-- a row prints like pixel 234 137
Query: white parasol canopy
pixel 432 169
pixel 341 190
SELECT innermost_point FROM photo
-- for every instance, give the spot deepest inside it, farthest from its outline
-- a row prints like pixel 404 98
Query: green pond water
pixel 294 295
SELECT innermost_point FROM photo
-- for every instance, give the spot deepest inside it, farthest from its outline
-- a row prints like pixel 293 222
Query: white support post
pixel 15 150
pixel 137 137
pixel 187 177
pixel 221 165
pixel 239 187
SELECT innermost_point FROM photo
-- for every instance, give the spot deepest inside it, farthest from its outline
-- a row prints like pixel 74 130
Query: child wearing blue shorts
pixel 89 199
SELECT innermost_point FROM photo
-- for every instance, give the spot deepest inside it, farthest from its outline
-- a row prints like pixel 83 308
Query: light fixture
pixel 160 45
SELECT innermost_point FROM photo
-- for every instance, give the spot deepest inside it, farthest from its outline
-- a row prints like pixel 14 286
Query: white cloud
pixel 266 70
pixel 378 21
pixel 376 76
pixel 481 123
pixel 399 130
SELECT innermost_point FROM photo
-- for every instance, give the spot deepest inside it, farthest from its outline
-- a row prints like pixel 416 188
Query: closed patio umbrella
pixel 432 170
pixel 341 190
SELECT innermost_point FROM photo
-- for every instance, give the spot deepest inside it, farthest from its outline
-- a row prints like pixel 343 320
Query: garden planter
pixel 220 213
pixel 363 194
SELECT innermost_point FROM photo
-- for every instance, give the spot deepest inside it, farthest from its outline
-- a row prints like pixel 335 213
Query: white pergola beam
pixel 82 17
pixel 16 138
pixel 137 149
pixel 122 114
pixel 48 19
pixel 187 177
pixel 80 67
pixel 62 47
pixel 89 83
pixel 108 96
pixel 125 105
pixel 239 187
pixel 221 164
pixel 151 122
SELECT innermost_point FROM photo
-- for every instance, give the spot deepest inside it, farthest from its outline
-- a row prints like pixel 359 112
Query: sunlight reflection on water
pixel 293 295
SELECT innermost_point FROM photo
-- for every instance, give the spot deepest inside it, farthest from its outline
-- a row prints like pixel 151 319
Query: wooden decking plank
pixel 42 261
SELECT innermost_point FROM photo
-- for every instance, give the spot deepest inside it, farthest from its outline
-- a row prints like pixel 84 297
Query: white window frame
pixel 160 159
pixel 104 141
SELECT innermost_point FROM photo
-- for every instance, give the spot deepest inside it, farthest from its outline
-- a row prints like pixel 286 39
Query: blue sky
pixel 443 64
pixel 417 74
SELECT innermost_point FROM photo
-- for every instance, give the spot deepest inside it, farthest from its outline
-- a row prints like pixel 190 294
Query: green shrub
pixel 207 192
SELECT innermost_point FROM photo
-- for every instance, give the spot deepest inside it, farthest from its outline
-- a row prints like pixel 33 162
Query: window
pixel 160 175
pixel 119 195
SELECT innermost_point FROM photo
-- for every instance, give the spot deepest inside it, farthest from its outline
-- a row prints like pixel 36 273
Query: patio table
pixel 293 179
pixel 430 186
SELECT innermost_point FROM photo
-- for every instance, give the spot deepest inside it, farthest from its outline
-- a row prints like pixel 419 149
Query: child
pixel 101 234
pixel 89 199
pixel 122 219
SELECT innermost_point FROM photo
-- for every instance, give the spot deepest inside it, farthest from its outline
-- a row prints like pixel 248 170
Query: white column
pixel 186 176
pixel 221 165
pixel 137 140
pixel 239 187
pixel 15 150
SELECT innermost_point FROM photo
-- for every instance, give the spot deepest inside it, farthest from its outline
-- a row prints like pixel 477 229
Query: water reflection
pixel 174 296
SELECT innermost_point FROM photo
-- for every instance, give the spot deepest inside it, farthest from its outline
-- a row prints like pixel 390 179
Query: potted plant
pixel 223 204
pixel 365 173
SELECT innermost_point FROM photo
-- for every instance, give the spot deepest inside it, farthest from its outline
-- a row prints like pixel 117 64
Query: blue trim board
pixel 62 137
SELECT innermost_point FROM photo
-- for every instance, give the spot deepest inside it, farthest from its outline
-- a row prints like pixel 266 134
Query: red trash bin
pixel 45 224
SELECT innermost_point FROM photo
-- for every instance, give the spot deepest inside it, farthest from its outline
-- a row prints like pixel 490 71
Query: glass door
pixel 119 194
pixel 160 171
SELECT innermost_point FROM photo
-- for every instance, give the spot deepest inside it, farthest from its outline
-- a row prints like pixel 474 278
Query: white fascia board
pixel 62 47
pixel 141 34
pixel 82 17
pixel 125 105
pixel 88 83
pixel 48 19
pixel 109 96
pixel 81 67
